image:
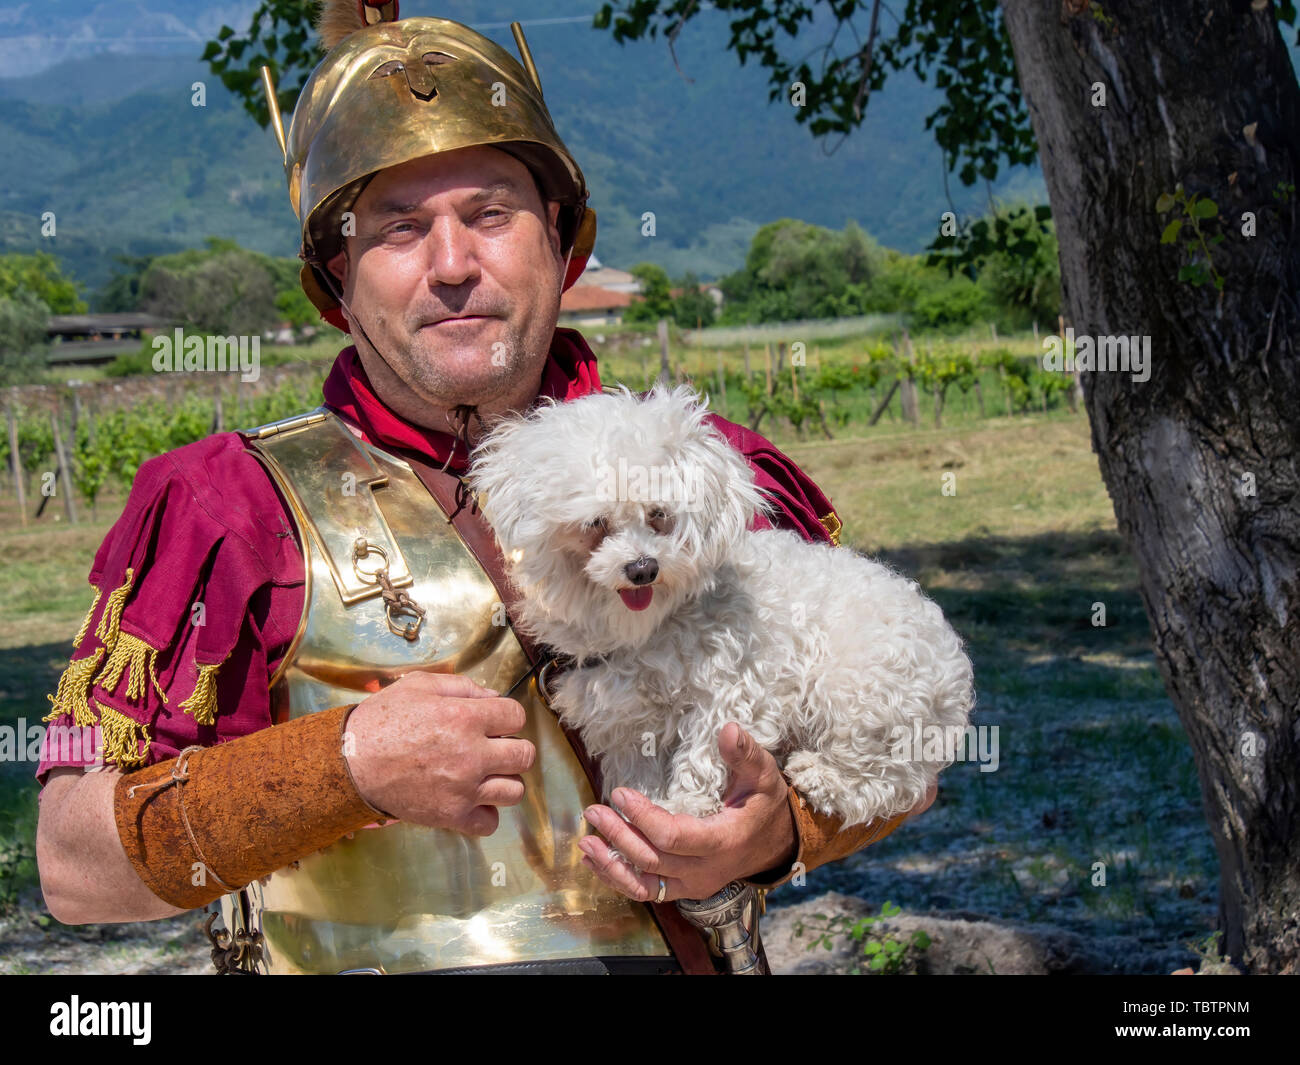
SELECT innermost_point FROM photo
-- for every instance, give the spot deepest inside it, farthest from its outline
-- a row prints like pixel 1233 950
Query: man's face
pixel 463 234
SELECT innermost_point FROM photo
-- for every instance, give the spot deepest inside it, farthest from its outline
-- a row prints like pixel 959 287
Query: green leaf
pixel 1164 203
pixel 1171 231
pixel 878 962
pixel 872 947
pixel 1216 239
pixel 1204 209
pixel 1187 273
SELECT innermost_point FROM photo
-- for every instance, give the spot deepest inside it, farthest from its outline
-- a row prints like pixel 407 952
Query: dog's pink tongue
pixel 637 598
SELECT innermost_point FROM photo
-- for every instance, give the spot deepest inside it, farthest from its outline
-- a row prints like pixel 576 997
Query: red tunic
pixel 204 524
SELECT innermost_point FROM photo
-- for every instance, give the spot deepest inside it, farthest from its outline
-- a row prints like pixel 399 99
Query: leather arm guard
pixel 820 840
pixel 214 819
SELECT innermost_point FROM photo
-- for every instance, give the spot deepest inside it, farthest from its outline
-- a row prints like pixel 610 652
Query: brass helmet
pixel 391 91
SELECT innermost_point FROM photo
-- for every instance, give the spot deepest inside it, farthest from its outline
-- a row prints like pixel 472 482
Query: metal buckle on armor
pixel 396 603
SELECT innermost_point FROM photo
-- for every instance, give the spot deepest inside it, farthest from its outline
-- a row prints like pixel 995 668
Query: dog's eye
pixel 659 520
pixel 596 525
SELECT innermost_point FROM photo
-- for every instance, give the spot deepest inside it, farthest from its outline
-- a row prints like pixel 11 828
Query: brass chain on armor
pixel 395 603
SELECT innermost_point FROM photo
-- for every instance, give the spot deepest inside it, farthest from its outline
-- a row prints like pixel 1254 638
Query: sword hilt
pixel 729 922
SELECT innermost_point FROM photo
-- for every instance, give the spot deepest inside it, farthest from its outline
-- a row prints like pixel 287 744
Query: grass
pixel 1094 765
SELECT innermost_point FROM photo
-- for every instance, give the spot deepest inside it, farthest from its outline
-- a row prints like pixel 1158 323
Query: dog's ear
pixel 720 488
pixel 499 474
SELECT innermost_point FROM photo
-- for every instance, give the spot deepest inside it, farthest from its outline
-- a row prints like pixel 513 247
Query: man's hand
pixel 436 749
pixel 697 856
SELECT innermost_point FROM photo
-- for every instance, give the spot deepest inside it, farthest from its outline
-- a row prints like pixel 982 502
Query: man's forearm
pixel 86 876
pixel 181 833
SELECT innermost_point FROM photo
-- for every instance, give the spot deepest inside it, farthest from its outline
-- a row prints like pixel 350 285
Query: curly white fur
pixel 822 655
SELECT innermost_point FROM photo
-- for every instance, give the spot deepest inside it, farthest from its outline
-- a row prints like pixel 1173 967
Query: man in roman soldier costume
pixel 314 710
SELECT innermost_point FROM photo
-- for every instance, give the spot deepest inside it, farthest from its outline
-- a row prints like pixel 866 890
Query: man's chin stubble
pixel 448 382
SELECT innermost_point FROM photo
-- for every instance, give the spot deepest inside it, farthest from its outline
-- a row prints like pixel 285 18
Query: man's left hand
pixel 697 856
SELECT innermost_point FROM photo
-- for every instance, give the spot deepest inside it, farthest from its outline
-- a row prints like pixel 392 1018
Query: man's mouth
pixel 469 319
pixel 637 598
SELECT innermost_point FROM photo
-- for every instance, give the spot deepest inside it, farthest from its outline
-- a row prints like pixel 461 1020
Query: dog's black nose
pixel 642 571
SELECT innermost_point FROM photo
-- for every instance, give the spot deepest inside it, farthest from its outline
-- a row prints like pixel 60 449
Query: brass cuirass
pixel 403 897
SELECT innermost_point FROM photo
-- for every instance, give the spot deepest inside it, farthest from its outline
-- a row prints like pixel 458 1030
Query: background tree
pixel 23 319
pixel 655 300
pixel 796 270
pixel 222 288
pixel 1023 279
pixel 39 274
pixel 31 288
pixel 693 307
pixel 122 293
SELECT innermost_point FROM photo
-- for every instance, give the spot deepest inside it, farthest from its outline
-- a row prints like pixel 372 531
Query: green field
pixel 1094 766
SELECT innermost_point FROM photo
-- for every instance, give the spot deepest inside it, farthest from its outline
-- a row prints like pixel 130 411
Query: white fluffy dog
pixel 625 526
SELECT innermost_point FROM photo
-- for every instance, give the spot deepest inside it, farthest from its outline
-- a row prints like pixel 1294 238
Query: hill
pixel 112 144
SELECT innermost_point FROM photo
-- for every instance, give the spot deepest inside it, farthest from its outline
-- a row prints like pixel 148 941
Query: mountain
pixel 110 141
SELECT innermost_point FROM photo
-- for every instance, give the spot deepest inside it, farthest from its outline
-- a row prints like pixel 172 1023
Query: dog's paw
pixel 823 785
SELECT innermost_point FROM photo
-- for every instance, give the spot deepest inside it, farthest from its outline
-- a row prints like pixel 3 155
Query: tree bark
pixel 1200 460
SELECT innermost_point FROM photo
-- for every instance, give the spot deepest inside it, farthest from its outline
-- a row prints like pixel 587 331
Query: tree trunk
pixel 1200 460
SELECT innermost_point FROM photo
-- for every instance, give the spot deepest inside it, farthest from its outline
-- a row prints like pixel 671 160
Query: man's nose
pixel 642 571
pixel 452 259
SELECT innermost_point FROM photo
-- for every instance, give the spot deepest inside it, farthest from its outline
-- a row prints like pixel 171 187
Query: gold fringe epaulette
pixel 108 627
pixel 126 654
pixel 131 654
pixel 85 625
pixel 203 702
pixel 120 739
pixel 73 695
pixel 833 527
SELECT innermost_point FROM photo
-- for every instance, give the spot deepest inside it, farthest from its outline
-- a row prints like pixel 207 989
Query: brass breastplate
pixel 405 898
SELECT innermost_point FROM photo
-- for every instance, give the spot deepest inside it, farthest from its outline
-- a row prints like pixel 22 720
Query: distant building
pixel 91 338
pixel 607 277
pixel 602 293
pixel 593 305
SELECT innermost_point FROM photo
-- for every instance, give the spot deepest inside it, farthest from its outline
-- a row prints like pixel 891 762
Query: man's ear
pixel 553 226
pixel 338 266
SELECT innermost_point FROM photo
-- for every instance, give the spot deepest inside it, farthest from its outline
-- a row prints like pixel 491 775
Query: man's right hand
pixel 437 749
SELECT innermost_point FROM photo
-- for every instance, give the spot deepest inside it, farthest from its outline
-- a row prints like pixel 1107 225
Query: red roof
pixel 593 298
